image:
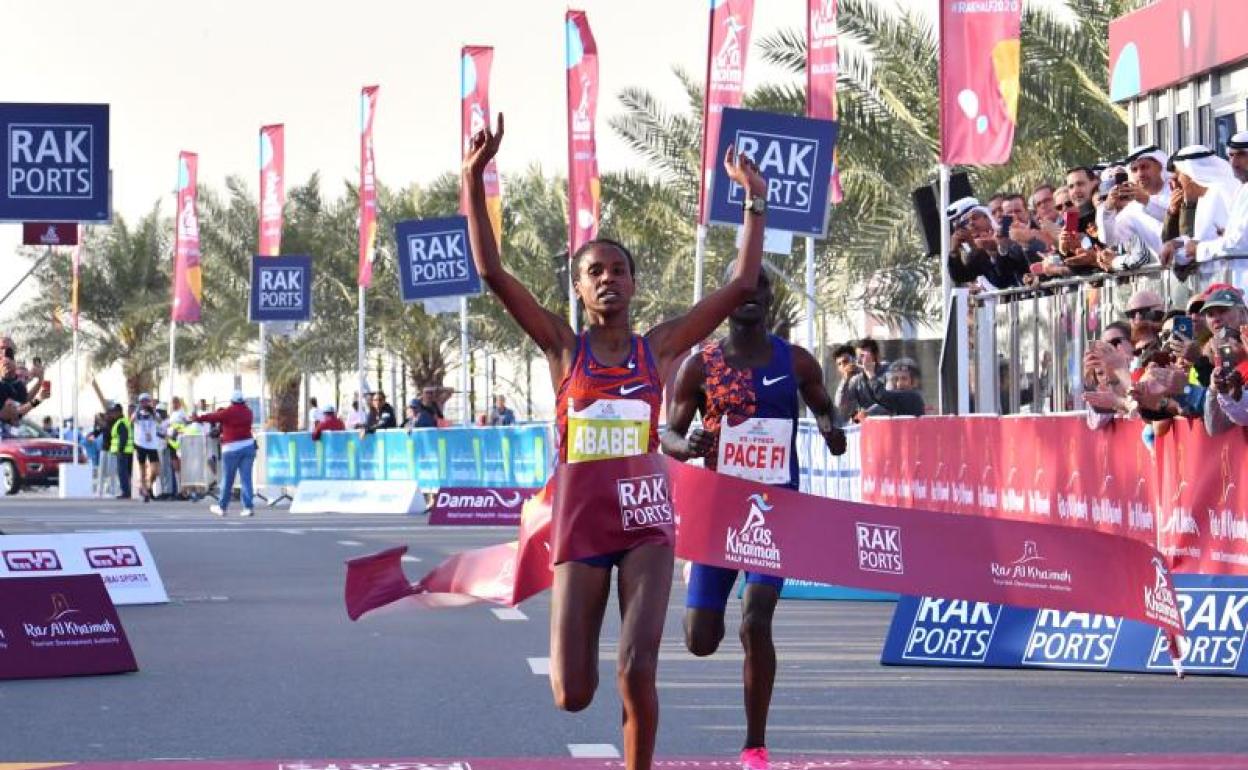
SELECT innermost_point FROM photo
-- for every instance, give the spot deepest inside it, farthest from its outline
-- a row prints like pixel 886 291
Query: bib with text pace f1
pixel 756 448
pixel 607 428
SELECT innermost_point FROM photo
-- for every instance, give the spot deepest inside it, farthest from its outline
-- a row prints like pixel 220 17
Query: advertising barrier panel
pixel 358 497
pixel 479 505
pixel 121 558
pixel 942 632
pixel 60 626
pixel 1054 469
pixel 514 456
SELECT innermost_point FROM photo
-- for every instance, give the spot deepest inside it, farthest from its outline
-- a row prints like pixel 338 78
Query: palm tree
pixel 124 301
pixel 872 259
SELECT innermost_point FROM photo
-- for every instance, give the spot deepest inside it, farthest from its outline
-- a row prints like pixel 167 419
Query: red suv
pixel 30 457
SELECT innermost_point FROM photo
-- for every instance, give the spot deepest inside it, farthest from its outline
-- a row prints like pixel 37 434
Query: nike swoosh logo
pixel 624 391
pixel 769 381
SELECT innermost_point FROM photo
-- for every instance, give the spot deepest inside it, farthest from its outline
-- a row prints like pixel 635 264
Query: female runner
pixel 608 375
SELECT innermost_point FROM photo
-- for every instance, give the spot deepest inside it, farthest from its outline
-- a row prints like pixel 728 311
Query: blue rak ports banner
pixel 947 632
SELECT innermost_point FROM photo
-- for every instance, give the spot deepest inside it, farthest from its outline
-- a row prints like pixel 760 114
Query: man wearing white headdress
pixel 1137 208
pixel 1234 236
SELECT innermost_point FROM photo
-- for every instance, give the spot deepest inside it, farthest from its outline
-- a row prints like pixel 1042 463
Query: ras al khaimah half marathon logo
pixel 753 544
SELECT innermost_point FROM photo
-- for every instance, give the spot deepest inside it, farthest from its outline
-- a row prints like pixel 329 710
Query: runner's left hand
pixel 836 441
pixel 700 443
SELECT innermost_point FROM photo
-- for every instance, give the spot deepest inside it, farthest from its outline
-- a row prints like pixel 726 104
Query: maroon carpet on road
pixel 869 762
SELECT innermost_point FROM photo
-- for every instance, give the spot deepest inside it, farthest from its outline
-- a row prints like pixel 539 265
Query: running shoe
pixel 755 759
pixel 245 512
pixel 218 510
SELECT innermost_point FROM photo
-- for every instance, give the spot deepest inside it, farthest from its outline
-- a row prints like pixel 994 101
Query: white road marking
pixel 508 613
pixel 349 542
pixel 292 531
pixel 540 666
pixel 593 751
pixel 219 531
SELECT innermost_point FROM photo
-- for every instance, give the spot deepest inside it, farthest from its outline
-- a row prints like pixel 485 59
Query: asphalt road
pixel 255 658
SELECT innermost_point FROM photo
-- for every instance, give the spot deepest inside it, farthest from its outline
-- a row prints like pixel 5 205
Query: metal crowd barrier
pixel 1020 351
pixel 200 456
pixel 105 482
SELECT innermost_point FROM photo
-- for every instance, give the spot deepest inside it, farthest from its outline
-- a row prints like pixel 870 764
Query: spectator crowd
pixel 1149 209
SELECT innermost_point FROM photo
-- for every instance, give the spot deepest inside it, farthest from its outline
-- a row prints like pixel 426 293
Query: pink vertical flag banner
pixel 474 82
pixel 822 69
pixel 187 278
pixel 980 55
pixel 727 50
pixel 368 186
pixel 584 185
pixel 272 188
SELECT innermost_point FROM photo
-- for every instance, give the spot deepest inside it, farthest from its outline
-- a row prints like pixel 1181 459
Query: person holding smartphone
pixel 1136 206
pixel 1227 316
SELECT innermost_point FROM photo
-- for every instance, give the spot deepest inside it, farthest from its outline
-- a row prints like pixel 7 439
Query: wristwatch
pixel 756 205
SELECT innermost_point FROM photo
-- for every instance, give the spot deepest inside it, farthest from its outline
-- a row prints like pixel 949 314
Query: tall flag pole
pixel 980 53
pixel 368 218
pixel 822 69
pixel 187 278
pixel 75 432
pixel 728 47
pixel 474 92
pixel 272 201
pixel 584 185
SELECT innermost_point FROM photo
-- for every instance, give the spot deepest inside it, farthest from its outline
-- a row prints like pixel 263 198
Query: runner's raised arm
pixel 672 339
pixel 550 332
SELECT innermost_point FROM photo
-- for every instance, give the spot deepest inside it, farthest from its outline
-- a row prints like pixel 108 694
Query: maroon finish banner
pixel 187 277
pixel 823 65
pixel 730 522
pixel 368 187
pixel 584 186
pixel 60 626
pixel 49 233
pixel 979 75
pixel 728 48
pixel 478 505
pixel 1184 498
pixel 272 188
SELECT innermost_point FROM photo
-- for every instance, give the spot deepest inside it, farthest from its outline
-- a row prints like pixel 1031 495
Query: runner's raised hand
pixel 482 148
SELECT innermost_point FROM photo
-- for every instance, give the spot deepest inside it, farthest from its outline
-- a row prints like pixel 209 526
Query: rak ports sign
pixel 54 158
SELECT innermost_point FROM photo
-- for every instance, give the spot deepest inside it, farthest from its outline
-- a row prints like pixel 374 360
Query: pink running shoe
pixel 755 759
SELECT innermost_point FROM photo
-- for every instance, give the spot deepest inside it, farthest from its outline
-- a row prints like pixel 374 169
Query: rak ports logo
pixel 879 548
pixel 644 501
pixel 1031 570
pixel 753 544
pixel 1216 624
pixel 32 560
pixel 951 631
pixel 113 557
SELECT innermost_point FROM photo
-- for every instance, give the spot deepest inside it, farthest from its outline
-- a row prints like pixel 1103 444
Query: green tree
pixel 123 303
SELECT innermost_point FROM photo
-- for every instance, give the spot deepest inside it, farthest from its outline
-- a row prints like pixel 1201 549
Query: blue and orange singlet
pixel 754 413
pixel 608 411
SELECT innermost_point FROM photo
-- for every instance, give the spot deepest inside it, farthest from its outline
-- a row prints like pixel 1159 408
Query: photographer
pixel 1137 203
pixel 901 395
pixel 1213 184
pixel 981 251
pixel 1226 315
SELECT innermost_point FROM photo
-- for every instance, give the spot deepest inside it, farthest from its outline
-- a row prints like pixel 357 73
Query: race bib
pixel 757 449
pixel 608 428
